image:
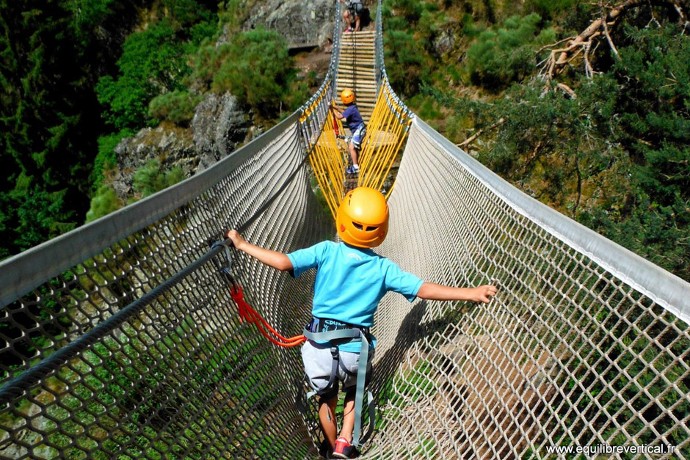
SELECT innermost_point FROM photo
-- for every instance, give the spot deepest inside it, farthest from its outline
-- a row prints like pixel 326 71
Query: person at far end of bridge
pixel 355 123
pixel 350 281
pixel 351 15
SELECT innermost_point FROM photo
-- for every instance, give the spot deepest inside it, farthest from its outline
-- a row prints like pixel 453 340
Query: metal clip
pixel 226 271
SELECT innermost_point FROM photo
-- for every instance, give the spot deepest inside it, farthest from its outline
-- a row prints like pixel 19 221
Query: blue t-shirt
pixel 351 281
pixel 352 117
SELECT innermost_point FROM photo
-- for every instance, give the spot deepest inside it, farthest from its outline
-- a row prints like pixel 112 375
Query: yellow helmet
pixel 362 218
pixel 347 96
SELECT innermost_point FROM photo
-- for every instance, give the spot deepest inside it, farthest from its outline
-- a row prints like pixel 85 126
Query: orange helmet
pixel 362 218
pixel 347 96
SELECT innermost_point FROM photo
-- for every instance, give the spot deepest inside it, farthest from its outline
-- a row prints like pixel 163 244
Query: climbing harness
pixel 318 330
pixel 348 333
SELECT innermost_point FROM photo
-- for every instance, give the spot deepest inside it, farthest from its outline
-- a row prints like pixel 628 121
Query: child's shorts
pixel 318 362
pixel 358 136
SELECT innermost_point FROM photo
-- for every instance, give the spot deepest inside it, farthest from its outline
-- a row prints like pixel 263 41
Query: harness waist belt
pixel 327 324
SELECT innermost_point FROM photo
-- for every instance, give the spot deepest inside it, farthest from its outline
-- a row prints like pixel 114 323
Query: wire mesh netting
pixel 138 351
pixel 567 356
pixel 121 339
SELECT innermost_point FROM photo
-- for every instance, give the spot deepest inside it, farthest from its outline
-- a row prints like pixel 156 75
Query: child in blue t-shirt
pixel 351 279
pixel 355 123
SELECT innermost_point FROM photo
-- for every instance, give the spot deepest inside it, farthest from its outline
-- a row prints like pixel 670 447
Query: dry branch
pixel 473 137
pixel 582 44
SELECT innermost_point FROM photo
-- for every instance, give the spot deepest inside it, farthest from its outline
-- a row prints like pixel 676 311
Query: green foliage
pixel 51 56
pixel 233 13
pixel 428 27
pixel 87 14
pixel 506 54
pixel 615 157
pixel 298 91
pixel 654 82
pixel 106 159
pixel 47 120
pixel 410 59
pixel 40 213
pixel 429 108
pixel 556 147
pixel 186 13
pixel 548 9
pixel 254 66
pixel 152 63
pixel 151 178
pixel 176 106
pixel 408 10
pixel 103 202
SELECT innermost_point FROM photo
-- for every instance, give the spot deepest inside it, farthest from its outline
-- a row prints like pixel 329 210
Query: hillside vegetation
pixel 78 76
pixel 595 126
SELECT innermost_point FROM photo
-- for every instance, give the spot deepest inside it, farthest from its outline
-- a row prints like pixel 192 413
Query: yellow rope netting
pixel 328 162
pixel 381 148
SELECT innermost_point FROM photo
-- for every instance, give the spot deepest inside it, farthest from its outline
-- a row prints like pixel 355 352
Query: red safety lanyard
pixel 247 313
pixel 336 129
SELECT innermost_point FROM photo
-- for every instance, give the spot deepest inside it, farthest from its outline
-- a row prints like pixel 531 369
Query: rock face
pixel 217 128
pixel 304 23
pixel 169 144
pixel 444 42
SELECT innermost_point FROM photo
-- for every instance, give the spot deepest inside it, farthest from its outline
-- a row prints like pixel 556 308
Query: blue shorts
pixel 358 135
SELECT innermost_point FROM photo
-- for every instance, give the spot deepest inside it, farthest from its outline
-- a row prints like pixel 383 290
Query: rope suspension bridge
pixel 122 339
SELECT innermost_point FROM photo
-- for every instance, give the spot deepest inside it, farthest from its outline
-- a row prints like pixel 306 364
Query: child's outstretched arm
pixel 274 259
pixel 433 291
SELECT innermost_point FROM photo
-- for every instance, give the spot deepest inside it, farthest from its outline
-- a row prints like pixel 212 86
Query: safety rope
pixel 248 313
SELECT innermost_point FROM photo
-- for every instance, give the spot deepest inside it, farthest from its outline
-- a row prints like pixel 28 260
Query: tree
pixel 600 29
pixel 152 63
pixel 506 54
pixel 655 124
pixel 410 59
pixel 44 123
